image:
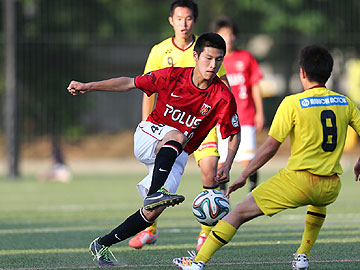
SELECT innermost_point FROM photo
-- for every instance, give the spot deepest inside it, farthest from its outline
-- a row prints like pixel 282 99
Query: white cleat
pixel 188 263
pixel 300 262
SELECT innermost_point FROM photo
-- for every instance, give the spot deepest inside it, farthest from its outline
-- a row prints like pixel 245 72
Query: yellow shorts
pixel 291 189
pixel 209 147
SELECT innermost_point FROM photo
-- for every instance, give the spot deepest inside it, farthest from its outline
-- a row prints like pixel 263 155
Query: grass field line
pixel 137 266
pixel 8 252
pixel 329 226
pixel 243 233
pixel 51 230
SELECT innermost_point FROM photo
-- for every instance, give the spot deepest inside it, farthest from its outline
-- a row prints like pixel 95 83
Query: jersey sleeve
pixel 355 117
pixel 152 62
pixel 152 81
pixel 282 122
pixel 229 120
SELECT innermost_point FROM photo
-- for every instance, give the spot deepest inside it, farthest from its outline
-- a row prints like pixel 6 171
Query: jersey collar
pixel 317 86
pixel 190 44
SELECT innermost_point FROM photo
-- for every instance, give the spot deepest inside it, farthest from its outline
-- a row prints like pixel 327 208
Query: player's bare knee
pixel 246 210
pixel 173 135
pixel 179 137
pixel 241 212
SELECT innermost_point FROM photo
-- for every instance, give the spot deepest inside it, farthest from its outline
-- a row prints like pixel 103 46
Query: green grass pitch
pixel 50 226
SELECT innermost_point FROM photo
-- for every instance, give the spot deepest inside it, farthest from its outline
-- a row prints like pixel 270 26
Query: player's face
pixel 209 62
pixel 183 22
pixel 227 34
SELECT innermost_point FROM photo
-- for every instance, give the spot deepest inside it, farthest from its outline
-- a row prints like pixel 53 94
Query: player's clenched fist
pixel 75 88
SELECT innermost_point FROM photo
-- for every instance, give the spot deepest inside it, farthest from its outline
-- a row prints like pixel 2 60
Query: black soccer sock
pixel 253 180
pixel 131 226
pixel 164 161
pixel 213 187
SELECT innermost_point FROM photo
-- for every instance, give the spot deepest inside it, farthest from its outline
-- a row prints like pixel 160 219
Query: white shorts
pixel 146 138
pixel 247 147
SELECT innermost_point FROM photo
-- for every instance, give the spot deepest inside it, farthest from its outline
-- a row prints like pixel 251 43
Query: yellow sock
pixel 153 227
pixel 220 235
pixel 205 229
pixel 315 218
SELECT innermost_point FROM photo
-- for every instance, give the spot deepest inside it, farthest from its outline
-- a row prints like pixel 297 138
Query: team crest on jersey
pixel 205 109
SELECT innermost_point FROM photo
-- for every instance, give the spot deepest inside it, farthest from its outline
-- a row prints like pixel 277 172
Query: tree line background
pixel 61 40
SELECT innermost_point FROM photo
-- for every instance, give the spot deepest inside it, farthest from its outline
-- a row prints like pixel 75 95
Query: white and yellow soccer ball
pixel 210 206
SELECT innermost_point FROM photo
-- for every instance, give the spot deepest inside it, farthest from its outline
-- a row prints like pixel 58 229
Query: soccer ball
pixel 210 206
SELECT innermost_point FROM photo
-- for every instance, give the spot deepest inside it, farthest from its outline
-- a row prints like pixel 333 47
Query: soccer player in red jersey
pixel 191 101
pixel 244 77
pixel 177 51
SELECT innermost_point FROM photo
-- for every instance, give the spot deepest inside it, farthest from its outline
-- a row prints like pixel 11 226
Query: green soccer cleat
pixel 101 254
pixel 162 198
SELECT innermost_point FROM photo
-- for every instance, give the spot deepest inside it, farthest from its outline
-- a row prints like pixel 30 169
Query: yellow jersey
pixel 316 120
pixel 167 54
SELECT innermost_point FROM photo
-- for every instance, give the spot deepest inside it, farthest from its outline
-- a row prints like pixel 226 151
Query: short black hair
pixel 212 40
pixel 317 63
pixel 185 3
pixel 224 22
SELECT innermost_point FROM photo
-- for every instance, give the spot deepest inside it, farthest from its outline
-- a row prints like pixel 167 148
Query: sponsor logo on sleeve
pixel 235 120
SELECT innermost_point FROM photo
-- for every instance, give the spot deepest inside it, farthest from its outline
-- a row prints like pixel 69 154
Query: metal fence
pixel 60 40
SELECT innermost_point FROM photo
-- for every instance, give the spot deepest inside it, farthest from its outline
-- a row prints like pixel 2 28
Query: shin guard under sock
pixel 315 218
pixel 220 235
pixel 164 161
pixel 131 226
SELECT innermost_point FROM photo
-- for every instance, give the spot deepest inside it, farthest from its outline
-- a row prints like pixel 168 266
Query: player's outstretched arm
pixel 263 155
pixel 121 84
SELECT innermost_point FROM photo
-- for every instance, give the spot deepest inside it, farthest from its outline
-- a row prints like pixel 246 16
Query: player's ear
pixel 302 73
pixel 196 56
pixel 171 21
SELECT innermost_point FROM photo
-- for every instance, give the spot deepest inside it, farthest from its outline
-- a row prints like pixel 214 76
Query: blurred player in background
pixel 244 75
pixel 59 171
pixel 176 51
pixel 316 121
pixel 191 101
